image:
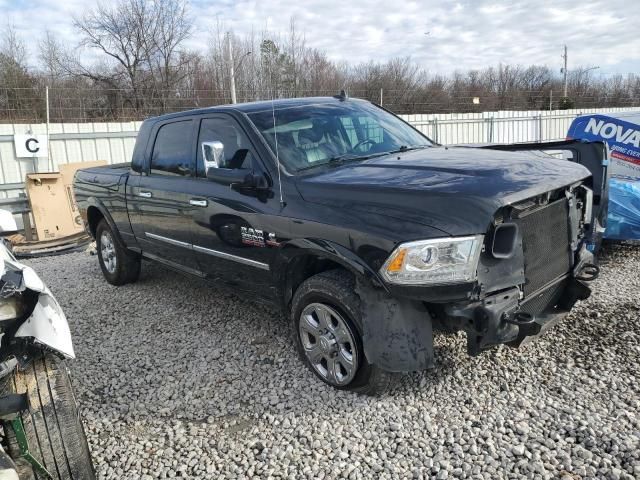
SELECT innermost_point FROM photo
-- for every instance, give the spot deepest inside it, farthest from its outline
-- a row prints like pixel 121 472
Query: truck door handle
pixel 198 203
pixel 145 194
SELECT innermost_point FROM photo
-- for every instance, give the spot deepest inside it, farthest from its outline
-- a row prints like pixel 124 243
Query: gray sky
pixel 462 34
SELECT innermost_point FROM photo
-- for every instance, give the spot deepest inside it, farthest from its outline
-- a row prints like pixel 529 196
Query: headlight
pixel 10 308
pixel 434 262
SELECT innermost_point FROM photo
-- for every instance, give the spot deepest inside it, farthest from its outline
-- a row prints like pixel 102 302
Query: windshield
pixel 315 135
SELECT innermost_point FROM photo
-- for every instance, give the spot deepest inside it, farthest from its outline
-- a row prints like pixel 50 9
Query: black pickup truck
pixel 366 233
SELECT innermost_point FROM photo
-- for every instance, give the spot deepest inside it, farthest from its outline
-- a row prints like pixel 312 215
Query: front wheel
pixel 52 425
pixel 327 326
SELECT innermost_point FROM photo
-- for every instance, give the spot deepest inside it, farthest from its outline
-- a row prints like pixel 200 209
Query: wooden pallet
pixel 23 248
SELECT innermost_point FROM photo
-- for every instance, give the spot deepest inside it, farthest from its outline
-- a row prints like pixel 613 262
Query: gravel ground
pixel 178 380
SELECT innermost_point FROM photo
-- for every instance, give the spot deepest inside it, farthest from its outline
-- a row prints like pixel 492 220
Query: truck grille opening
pixel 545 300
pixel 545 241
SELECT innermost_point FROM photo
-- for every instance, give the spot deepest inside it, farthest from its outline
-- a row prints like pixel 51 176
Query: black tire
pixel 127 263
pixel 336 289
pixel 52 425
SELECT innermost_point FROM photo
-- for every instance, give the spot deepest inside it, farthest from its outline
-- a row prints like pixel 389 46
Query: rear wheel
pixel 327 325
pixel 118 264
pixel 52 424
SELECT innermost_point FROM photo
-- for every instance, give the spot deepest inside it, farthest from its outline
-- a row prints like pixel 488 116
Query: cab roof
pixel 259 106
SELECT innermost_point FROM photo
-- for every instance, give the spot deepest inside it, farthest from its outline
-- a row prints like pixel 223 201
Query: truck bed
pixel 114 169
pixel 105 186
pixel 101 181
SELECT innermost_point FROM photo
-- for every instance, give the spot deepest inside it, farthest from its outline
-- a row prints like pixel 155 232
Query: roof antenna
pixel 275 135
pixel 342 96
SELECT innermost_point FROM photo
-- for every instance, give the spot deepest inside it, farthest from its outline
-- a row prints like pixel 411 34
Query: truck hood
pixel 454 189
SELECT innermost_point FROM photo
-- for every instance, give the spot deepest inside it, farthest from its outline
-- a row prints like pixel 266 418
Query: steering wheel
pixel 364 142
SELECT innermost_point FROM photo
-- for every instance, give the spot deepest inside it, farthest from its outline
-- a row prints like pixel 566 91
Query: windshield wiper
pixel 347 157
pixel 337 160
pixel 406 148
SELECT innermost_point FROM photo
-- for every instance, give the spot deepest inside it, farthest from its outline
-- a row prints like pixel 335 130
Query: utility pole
pixel 233 77
pixel 564 71
pixel 49 161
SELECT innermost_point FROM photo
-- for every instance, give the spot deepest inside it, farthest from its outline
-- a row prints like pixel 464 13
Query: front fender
pixel 323 249
pixel 47 325
pixel 397 333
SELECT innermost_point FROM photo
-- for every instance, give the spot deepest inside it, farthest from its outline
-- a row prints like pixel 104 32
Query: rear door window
pixel 172 151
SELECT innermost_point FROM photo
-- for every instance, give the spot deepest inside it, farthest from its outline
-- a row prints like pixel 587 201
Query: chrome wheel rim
pixel 108 252
pixel 328 344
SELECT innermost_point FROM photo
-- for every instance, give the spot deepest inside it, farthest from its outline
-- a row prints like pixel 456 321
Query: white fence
pixel 501 127
pixel 68 143
pixel 113 142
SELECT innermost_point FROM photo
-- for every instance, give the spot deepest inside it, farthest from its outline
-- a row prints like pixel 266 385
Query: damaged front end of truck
pixel 515 280
pixel 529 269
pixel 533 268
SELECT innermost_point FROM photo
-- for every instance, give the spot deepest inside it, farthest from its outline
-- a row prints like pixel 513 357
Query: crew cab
pixel 366 233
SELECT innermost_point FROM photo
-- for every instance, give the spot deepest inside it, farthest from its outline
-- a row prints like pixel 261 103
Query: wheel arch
pixel 96 211
pixel 397 333
pixel 94 215
pixel 301 259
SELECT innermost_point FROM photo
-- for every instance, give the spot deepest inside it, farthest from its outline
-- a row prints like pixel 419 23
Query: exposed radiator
pixel 545 240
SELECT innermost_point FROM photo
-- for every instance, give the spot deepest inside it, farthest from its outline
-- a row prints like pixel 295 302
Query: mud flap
pixel 397 333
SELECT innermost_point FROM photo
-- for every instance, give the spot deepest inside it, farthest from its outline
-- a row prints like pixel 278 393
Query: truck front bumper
pixel 502 319
pixel 398 329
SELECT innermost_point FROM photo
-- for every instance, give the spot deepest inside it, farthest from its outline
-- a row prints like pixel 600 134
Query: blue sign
pixel 623 219
pixel 622 134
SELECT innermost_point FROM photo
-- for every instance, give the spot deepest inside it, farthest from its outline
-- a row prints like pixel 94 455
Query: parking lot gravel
pixel 178 379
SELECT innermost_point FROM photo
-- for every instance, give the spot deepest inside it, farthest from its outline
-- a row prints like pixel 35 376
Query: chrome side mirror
pixel 7 222
pixel 212 155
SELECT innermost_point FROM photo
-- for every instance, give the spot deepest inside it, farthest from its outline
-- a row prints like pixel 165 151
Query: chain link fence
pixel 79 105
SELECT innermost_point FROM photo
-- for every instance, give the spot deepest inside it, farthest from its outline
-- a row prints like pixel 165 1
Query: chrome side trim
pixel 168 240
pixel 208 251
pixel 228 256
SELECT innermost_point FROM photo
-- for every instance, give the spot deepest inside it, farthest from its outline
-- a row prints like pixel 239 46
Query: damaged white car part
pixel 42 432
pixel 24 293
pixel 28 311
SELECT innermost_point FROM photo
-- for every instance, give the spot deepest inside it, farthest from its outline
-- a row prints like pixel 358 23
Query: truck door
pixel 159 199
pixel 235 233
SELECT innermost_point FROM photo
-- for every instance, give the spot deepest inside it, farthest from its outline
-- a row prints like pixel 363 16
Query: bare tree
pixel 13 46
pixel 139 65
pixel 170 27
pixel 121 33
pixel 16 98
pixel 51 54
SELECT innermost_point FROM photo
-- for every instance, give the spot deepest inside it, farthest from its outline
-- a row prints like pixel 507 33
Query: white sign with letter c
pixel 30 146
